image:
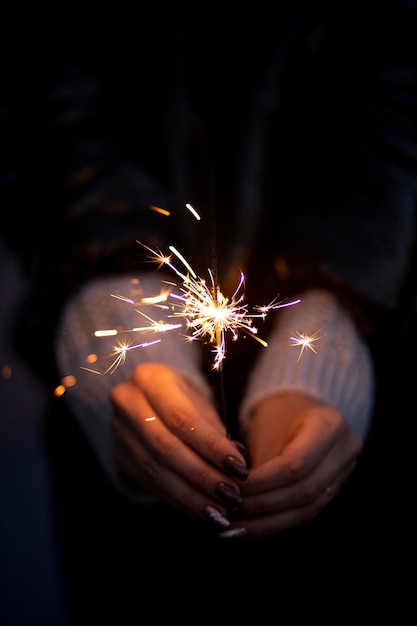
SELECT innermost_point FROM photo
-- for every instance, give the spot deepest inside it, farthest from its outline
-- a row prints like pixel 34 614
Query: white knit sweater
pixel 339 372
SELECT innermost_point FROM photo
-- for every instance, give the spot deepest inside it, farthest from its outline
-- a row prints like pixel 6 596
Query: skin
pixel 296 449
pixel 301 453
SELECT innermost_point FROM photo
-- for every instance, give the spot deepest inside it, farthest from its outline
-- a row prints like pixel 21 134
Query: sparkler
pixel 209 315
pixel 204 311
pixel 200 308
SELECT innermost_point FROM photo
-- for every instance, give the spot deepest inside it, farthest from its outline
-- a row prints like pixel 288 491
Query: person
pixel 294 137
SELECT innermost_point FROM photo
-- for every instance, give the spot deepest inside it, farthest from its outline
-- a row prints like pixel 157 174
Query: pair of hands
pixel 170 440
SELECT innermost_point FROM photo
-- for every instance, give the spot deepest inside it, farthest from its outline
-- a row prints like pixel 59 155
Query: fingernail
pixel 228 494
pixel 231 533
pixel 235 467
pixel 215 516
pixel 241 447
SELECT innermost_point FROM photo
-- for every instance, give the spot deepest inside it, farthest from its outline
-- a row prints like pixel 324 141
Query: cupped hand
pixel 170 440
pixel 301 452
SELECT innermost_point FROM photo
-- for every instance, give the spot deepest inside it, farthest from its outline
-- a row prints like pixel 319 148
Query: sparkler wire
pixel 213 246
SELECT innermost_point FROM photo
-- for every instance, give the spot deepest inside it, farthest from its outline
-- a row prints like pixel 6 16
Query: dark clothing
pixel 293 130
pixel 294 133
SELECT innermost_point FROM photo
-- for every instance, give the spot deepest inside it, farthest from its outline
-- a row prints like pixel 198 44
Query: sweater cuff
pixel 337 371
pixel 93 308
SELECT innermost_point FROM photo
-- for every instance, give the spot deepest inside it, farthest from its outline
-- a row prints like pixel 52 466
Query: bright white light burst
pixel 206 313
pixel 305 341
pixel 209 315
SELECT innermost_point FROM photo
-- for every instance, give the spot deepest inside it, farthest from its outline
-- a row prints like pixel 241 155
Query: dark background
pixel 31 583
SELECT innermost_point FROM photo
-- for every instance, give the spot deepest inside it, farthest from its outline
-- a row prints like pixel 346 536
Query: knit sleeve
pixel 114 303
pixel 336 369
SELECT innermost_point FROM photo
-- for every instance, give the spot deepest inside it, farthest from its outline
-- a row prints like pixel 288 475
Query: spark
pixel 264 310
pixel 155 326
pixel 106 333
pixel 159 209
pixel 120 351
pixel 305 341
pixel 162 297
pixel 183 261
pixel 193 211
pixel 209 315
pixel 123 298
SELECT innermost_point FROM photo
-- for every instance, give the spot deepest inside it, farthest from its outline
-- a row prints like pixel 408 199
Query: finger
pixel 300 494
pixel 314 441
pixel 161 482
pixel 185 413
pixel 145 432
pixel 333 470
pixel 277 522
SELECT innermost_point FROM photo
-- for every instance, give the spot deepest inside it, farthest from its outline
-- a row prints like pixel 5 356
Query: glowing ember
pixel 305 341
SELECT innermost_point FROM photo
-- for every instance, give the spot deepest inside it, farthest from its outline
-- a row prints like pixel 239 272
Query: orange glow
pixel 158 209
pixel 6 371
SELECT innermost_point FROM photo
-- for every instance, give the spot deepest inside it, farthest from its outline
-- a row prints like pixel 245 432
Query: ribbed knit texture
pixel 94 308
pixel 340 374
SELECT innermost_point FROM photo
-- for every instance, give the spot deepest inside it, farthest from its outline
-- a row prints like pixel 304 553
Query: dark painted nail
pixel 231 533
pixel 235 468
pixel 228 494
pixel 215 516
pixel 241 447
